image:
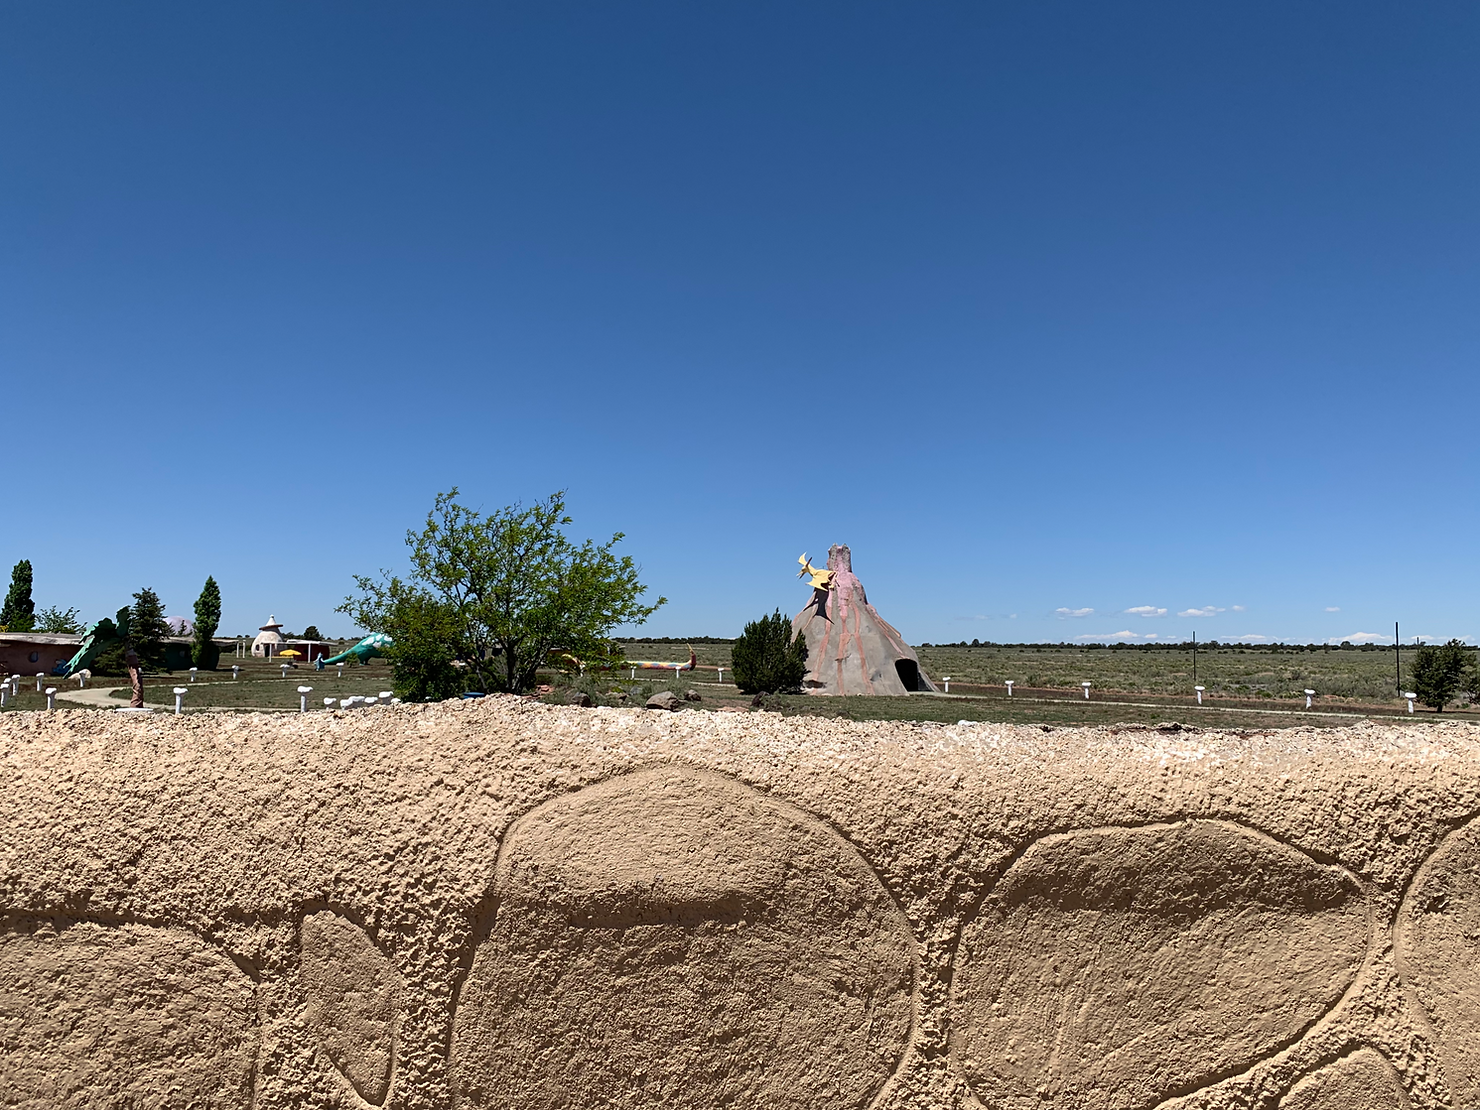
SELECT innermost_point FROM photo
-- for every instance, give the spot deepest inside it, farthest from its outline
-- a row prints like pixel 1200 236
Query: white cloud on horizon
pixel 1064 612
pixel 1205 611
pixel 1146 611
pixel 1250 640
pixel 1239 608
pixel 1333 608
pixel 1359 638
pixel 1123 636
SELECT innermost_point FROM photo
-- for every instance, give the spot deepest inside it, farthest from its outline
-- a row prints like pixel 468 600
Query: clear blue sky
pixel 1042 307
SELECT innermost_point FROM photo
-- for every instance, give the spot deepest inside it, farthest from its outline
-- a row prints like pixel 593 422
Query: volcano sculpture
pixel 850 648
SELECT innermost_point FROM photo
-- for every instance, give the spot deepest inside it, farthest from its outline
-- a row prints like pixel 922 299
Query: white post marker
pixel 1410 697
pixel 180 692
pixel 192 674
pixel 4 694
pixel 385 695
pixel 1009 687
pixel 947 680
pixel 328 703
pixel 15 685
pixel 1086 690
pixel 285 667
pixel 1308 695
pixel 303 692
pixel 51 698
pixel 341 669
pixel 1199 690
pixel 40 678
pixel 81 679
pixel 721 675
pixel 235 671
pixel 634 674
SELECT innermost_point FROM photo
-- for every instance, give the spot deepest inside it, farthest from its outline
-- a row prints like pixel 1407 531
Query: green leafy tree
pixel 57 620
pixel 514 587
pixel 424 631
pixel 766 659
pixel 312 633
pixel 19 612
pixel 203 652
pixel 1440 672
pixel 148 629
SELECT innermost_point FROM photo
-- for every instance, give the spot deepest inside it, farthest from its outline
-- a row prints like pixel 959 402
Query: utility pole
pixel 1398 658
pixel 1194 658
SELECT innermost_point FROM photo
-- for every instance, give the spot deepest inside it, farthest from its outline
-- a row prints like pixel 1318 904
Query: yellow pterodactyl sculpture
pixel 821 579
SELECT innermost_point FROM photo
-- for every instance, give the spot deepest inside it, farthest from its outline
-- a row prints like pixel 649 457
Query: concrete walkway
pixel 98 697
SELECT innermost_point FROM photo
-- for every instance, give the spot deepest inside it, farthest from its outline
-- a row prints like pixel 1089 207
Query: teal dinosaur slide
pixel 366 650
pixel 99 635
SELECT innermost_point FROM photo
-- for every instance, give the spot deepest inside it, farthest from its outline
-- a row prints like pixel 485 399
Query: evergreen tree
pixel 19 611
pixel 147 628
pixel 312 633
pixel 204 653
pixel 114 633
pixel 766 659
pixel 1440 672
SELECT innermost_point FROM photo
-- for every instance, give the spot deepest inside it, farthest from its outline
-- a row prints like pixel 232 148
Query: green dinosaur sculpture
pixel 366 650
pixel 100 636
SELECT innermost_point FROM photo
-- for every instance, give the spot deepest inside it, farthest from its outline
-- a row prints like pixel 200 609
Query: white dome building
pixel 269 640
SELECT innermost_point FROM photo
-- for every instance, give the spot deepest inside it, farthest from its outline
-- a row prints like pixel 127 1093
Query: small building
pixel 30 653
pixel 269 639
pixel 308 650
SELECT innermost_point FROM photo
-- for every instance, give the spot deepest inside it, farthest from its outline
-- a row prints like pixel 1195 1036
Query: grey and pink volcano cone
pixel 850 648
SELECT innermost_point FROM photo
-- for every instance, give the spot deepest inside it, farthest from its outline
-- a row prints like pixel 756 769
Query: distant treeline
pixel 1185 645
pixel 673 639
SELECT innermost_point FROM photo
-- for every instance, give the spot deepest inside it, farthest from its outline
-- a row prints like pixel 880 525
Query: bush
pixel 423 630
pixel 765 658
pixel 1440 672
pixel 56 619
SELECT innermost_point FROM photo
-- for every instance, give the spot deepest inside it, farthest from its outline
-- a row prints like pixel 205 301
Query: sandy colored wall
pixel 499 904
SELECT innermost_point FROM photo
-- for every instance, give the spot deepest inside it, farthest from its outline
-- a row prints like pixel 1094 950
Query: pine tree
pixel 204 653
pixel 147 627
pixel 19 612
pixel 1440 672
pixel 766 659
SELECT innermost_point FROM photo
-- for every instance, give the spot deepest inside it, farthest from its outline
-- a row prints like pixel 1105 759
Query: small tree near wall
pixel 767 660
pixel 1439 673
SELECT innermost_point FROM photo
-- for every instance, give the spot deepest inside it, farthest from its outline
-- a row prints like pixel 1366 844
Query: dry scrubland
pixel 1247 689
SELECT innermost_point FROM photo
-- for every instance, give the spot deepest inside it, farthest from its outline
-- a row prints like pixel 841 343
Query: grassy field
pixel 1348 674
pixel 1246 689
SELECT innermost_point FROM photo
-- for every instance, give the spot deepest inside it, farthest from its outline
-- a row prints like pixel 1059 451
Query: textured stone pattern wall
pixel 497 904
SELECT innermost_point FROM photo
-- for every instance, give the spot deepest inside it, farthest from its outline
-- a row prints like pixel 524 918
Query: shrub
pixel 54 618
pixel 1440 672
pixel 767 660
pixel 423 631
